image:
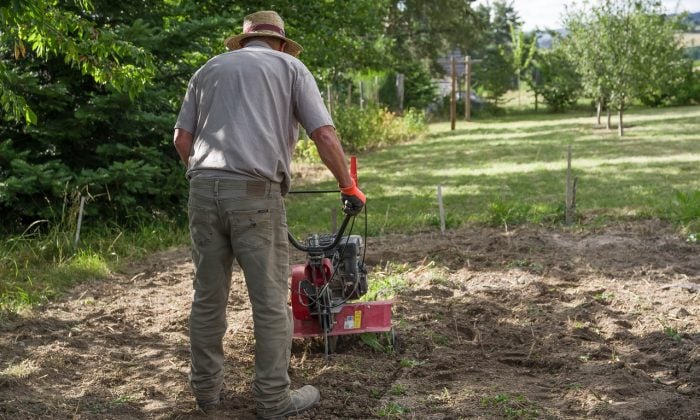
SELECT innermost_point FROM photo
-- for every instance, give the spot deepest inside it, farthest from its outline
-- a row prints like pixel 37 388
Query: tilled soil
pixel 529 323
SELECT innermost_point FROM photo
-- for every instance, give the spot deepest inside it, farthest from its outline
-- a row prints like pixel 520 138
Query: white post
pixel 442 208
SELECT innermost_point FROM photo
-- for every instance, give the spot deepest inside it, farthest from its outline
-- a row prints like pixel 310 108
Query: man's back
pixel 244 108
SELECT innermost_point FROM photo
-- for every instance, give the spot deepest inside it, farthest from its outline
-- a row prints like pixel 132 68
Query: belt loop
pixel 216 188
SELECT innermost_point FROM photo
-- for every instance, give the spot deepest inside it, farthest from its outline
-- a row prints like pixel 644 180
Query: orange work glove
pixel 353 199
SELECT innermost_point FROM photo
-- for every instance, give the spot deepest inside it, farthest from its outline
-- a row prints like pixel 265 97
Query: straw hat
pixel 264 23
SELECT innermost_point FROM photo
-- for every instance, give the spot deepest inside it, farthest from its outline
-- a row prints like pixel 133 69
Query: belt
pixel 253 188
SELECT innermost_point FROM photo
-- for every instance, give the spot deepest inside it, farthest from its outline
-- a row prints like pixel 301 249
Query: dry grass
pixel 22 370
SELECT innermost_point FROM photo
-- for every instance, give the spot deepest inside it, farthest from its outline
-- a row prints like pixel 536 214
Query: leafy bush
pixel 420 88
pixel 557 80
pixel 363 129
pixel 306 151
pixel 494 76
pixel 679 84
pixel 688 92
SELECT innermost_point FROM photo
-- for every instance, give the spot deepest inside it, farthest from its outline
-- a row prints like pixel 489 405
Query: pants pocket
pixel 250 229
pixel 201 229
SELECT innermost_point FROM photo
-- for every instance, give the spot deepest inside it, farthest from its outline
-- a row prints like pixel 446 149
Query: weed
pixel 574 386
pixel 440 339
pixel 122 399
pixel 512 406
pixel 533 310
pixel 525 263
pixel 392 409
pixel 398 389
pixel 505 213
pixel 375 393
pixel 410 363
pixel 387 283
pixel 685 207
pixel 604 297
pixel 374 341
pixel 673 334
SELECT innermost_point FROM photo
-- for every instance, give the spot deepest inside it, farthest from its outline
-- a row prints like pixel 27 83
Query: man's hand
pixel 353 199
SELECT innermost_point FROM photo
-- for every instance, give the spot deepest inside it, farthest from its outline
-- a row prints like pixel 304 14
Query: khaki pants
pixel 245 220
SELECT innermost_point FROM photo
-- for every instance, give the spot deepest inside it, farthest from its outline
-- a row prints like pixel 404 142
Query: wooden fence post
pixel 400 90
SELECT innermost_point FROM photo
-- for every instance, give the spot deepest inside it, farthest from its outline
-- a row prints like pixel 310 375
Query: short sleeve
pixel 309 108
pixel 187 118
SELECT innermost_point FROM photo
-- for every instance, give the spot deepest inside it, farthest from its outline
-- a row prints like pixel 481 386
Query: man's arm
pixel 183 140
pixel 332 154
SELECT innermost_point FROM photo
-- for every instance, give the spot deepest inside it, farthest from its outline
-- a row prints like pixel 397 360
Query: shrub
pixel 560 84
pixel 306 151
pixel 363 129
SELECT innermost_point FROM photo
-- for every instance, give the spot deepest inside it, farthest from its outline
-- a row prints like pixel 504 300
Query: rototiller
pixel 333 276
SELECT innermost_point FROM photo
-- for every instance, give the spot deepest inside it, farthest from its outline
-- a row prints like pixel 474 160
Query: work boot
pixel 211 405
pixel 299 401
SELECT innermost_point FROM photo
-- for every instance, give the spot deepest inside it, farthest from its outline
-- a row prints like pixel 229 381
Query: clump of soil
pixel 533 322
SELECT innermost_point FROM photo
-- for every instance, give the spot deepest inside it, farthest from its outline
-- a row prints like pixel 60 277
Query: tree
pixel 94 137
pixel 494 75
pixel 505 51
pixel 617 45
pixel 521 52
pixel 665 62
pixel 42 29
pixel 504 19
pixel 429 29
pixel 558 82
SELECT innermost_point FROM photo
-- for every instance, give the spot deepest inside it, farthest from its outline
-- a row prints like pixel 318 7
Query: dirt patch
pixel 529 323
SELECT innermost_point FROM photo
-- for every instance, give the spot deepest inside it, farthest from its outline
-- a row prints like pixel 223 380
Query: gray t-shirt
pixel 244 108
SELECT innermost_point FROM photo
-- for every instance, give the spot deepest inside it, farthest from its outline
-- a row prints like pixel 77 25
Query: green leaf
pixel 29 116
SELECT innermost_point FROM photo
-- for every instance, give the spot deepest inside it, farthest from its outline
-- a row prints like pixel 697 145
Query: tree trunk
pixel 620 127
pixel 607 124
pixel 599 108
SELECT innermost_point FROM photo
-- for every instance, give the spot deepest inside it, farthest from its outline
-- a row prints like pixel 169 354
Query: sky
pixel 546 14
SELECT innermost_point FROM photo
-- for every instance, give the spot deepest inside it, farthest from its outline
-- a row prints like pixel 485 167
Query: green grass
pixel 512 169
pixel 42 263
pixel 391 410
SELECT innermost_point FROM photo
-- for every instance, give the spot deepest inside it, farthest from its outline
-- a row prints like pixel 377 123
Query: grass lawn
pixel 512 169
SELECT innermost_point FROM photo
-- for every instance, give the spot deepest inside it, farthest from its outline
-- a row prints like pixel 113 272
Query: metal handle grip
pixel 321 249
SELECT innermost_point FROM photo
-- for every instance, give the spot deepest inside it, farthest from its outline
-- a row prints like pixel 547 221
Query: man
pixel 236 133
